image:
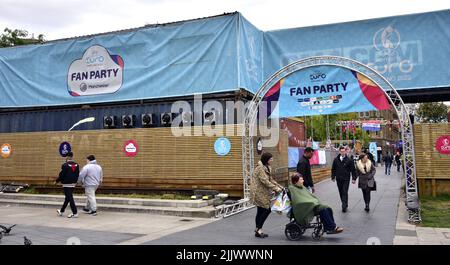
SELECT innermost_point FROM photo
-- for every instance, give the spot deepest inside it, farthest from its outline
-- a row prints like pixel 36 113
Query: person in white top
pixel 91 177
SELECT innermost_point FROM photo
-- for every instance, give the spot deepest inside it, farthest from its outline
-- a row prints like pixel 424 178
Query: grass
pixel 436 211
pixel 150 195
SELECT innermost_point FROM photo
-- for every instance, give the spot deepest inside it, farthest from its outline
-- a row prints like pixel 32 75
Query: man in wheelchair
pixel 305 206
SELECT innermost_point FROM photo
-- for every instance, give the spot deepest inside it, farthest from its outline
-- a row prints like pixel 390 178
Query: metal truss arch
pixel 378 79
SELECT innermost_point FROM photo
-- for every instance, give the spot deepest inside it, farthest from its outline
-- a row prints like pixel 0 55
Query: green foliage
pixel 435 211
pixel 316 126
pixel 17 37
pixel 432 112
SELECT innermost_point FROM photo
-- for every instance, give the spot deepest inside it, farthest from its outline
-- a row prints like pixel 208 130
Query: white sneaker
pixel 59 212
pixel 72 215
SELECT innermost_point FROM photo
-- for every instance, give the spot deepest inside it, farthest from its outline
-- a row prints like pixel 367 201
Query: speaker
pixel 109 122
pixel 210 117
pixel 187 118
pixel 128 121
pixel 148 119
pixel 167 118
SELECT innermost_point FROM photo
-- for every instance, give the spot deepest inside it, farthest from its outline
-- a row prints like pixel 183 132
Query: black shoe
pixel 260 235
pixel 86 210
pixel 344 210
pixel 367 209
pixel 93 213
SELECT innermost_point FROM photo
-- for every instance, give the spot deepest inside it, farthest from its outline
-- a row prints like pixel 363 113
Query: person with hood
pixel 91 177
pixel 305 206
pixel 365 171
pixel 262 185
pixel 68 176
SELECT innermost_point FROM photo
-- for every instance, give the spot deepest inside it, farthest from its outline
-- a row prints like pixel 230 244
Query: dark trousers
pixel 398 166
pixel 366 195
pixel 261 216
pixel 326 215
pixel 343 191
pixel 387 169
pixel 68 192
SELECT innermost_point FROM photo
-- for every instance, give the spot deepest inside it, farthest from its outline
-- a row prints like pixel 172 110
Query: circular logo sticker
pixel 222 146
pixel 130 148
pixel 443 144
pixel 6 150
pixel 64 149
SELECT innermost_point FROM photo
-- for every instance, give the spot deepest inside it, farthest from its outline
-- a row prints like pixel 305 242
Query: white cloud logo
pixel 130 148
pixel 97 72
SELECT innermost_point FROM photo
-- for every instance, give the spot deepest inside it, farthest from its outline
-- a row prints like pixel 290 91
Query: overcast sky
pixel 67 18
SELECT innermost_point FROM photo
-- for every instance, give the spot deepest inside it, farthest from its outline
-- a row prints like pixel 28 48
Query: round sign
pixel 130 148
pixel 6 150
pixel 64 149
pixel 222 146
pixel 443 144
pixel 259 146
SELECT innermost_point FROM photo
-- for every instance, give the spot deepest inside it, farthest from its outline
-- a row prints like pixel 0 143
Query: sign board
pixel 6 150
pixel 130 148
pixel 443 145
pixel 64 149
pixel 222 146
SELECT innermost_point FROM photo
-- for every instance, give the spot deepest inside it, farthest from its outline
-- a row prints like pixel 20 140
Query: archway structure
pixel 391 94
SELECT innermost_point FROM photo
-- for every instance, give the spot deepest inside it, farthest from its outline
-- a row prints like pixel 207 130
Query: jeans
pixel 68 192
pixel 261 216
pixel 398 166
pixel 343 191
pixel 366 195
pixel 91 203
pixel 387 169
pixel 326 215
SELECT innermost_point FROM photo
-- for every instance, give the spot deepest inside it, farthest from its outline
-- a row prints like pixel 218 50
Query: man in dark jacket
pixel 68 178
pixel 304 168
pixel 388 159
pixel 342 168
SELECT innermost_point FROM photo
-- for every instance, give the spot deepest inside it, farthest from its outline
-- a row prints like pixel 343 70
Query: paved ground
pixel 381 225
pixel 42 226
pixel 377 226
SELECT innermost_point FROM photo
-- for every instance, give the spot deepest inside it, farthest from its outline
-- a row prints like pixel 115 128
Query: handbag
pixel 374 187
pixel 281 204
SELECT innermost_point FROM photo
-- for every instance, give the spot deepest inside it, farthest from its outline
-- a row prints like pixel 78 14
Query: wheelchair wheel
pixel 293 231
pixel 318 232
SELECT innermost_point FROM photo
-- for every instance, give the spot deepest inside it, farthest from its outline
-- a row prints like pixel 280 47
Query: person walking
pixel 342 169
pixel 68 176
pixel 261 187
pixel 397 161
pixel 91 177
pixel 304 169
pixel 387 159
pixel 366 173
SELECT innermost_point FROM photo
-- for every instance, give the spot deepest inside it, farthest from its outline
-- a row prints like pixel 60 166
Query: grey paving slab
pixel 43 235
pixel 359 226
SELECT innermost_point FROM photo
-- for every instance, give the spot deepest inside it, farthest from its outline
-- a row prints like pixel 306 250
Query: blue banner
pixel 411 51
pixel 323 90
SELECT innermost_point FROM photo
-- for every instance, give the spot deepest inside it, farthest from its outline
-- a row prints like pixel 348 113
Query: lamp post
pixel 90 119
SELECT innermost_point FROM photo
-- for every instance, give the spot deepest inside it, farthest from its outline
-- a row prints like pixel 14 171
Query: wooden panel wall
pixel 163 161
pixel 433 168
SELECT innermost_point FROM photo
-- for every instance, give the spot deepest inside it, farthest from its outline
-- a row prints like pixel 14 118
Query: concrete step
pixel 111 200
pixel 204 212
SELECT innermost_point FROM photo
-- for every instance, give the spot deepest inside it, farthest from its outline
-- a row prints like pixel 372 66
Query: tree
pixel 17 37
pixel 432 112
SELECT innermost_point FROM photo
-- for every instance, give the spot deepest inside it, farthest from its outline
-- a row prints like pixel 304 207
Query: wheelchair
pixel 294 231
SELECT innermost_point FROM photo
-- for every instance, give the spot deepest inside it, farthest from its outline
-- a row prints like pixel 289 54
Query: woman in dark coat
pixel 365 171
pixel 262 186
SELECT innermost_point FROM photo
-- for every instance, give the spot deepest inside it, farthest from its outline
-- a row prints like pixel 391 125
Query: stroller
pixel 294 230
